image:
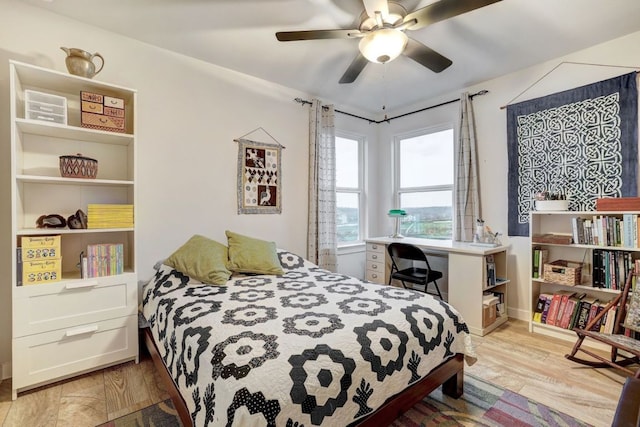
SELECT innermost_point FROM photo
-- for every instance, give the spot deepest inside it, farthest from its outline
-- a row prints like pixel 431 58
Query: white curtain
pixel 321 239
pixel 467 181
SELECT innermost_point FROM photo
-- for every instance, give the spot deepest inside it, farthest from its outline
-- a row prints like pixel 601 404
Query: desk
pixel 467 271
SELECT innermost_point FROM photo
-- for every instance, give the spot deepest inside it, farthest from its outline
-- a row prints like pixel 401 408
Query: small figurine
pixel 51 221
pixel 78 220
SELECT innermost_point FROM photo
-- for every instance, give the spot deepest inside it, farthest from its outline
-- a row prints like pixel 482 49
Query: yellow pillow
pixel 249 255
pixel 202 259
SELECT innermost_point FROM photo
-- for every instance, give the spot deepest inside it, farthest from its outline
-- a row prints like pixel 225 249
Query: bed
pixel 307 347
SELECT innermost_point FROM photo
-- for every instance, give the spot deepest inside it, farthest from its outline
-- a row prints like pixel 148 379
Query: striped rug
pixel 482 404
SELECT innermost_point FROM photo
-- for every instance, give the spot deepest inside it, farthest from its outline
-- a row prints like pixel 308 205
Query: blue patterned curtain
pixel 581 142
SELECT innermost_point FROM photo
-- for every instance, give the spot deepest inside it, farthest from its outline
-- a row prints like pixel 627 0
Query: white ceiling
pixel 239 35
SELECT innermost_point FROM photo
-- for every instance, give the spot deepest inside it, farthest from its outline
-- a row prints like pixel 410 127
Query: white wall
pixel 491 128
pixel 188 114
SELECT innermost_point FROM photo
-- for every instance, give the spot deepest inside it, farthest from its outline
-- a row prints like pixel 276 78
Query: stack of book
pixel 568 310
pixel 105 259
pixel 603 230
pixel 109 216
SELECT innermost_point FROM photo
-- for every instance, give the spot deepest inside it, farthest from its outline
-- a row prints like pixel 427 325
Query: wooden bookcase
pixel 73 324
pixel 561 223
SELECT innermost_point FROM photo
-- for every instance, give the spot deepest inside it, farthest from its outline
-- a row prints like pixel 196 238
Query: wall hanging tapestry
pixel 259 176
pixel 582 143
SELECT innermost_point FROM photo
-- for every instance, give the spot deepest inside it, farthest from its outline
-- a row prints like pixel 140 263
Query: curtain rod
pixel 479 93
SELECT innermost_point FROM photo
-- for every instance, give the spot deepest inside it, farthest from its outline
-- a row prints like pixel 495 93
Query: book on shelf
pixel 104 259
pixel 491 271
pixel 540 257
pixel 585 310
pixel 540 306
pixel 606 230
pixel 109 216
pixel 569 310
pixel 545 310
pixel 557 301
pixel 19 266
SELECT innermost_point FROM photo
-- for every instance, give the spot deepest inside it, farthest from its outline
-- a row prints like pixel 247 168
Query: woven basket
pixel 563 272
pixel 78 166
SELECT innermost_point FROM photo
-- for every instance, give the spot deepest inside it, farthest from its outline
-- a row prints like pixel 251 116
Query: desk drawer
pixel 375 256
pixel 56 354
pixel 375 266
pixel 375 276
pixel 66 304
pixel 376 247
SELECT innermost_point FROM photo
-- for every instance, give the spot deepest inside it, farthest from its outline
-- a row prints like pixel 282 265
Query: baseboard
pixel 518 313
pixel 6 370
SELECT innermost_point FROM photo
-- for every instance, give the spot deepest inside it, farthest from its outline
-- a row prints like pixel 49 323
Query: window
pixel 349 189
pixel 424 182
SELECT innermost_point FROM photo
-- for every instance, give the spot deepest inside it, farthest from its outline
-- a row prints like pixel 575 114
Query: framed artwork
pixel 259 176
pixel 582 143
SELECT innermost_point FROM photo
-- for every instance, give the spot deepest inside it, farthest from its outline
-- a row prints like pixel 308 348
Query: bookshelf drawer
pixel 48 307
pixel 55 354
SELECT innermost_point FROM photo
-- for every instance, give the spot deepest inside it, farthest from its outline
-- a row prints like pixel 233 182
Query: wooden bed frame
pixel 449 374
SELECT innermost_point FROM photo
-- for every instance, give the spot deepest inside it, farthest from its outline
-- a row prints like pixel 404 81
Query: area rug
pixel 483 404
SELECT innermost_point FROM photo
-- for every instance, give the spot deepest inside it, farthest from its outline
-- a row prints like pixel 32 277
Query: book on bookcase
pixel 554 308
pixel 104 259
pixel 540 306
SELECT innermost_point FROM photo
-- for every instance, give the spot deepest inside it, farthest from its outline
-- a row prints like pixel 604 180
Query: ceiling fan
pixel 382 33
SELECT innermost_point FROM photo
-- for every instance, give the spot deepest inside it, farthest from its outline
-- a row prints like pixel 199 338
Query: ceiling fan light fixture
pixel 383 45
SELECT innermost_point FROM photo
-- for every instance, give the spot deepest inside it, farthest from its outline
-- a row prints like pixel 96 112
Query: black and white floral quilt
pixel 306 348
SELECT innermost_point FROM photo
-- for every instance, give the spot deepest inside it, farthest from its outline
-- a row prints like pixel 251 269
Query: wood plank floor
pixel 511 357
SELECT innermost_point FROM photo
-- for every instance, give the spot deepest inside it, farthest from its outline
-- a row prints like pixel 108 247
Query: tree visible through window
pixel 424 183
pixel 349 181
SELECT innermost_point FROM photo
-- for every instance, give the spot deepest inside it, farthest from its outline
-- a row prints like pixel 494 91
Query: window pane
pixel 346 163
pixel 427 160
pixel 429 214
pixel 348 217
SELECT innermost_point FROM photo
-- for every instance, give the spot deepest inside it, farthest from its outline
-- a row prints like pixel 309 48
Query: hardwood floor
pixel 511 357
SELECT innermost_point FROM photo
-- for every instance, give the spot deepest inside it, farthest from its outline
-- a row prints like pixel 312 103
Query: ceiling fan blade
pixel 354 69
pixel 444 9
pixel 373 6
pixel 426 56
pixel 288 36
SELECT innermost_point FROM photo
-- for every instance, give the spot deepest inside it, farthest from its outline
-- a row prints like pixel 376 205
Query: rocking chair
pixel 627 319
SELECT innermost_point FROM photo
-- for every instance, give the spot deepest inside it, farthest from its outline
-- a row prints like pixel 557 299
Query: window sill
pixel 352 248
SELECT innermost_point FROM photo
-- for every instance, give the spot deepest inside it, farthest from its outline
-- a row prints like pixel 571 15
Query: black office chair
pixel 417 275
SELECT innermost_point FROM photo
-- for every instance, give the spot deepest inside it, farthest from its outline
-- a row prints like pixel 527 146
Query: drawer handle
pixel 374 256
pixel 76 285
pixel 374 246
pixel 375 276
pixel 81 331
pixel 374 266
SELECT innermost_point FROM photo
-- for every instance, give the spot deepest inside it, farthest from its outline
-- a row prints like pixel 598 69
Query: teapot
pixel 80 62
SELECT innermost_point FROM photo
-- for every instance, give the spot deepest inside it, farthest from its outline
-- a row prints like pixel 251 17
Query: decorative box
pixel 489 314
pixel 78 166
pixel 41 271
pixel 618 204
pixel 45 107
pixel 40 242
pixel 102 112
pixel 563 272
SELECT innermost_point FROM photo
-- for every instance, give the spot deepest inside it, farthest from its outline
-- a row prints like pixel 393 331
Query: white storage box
pixel 45 107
